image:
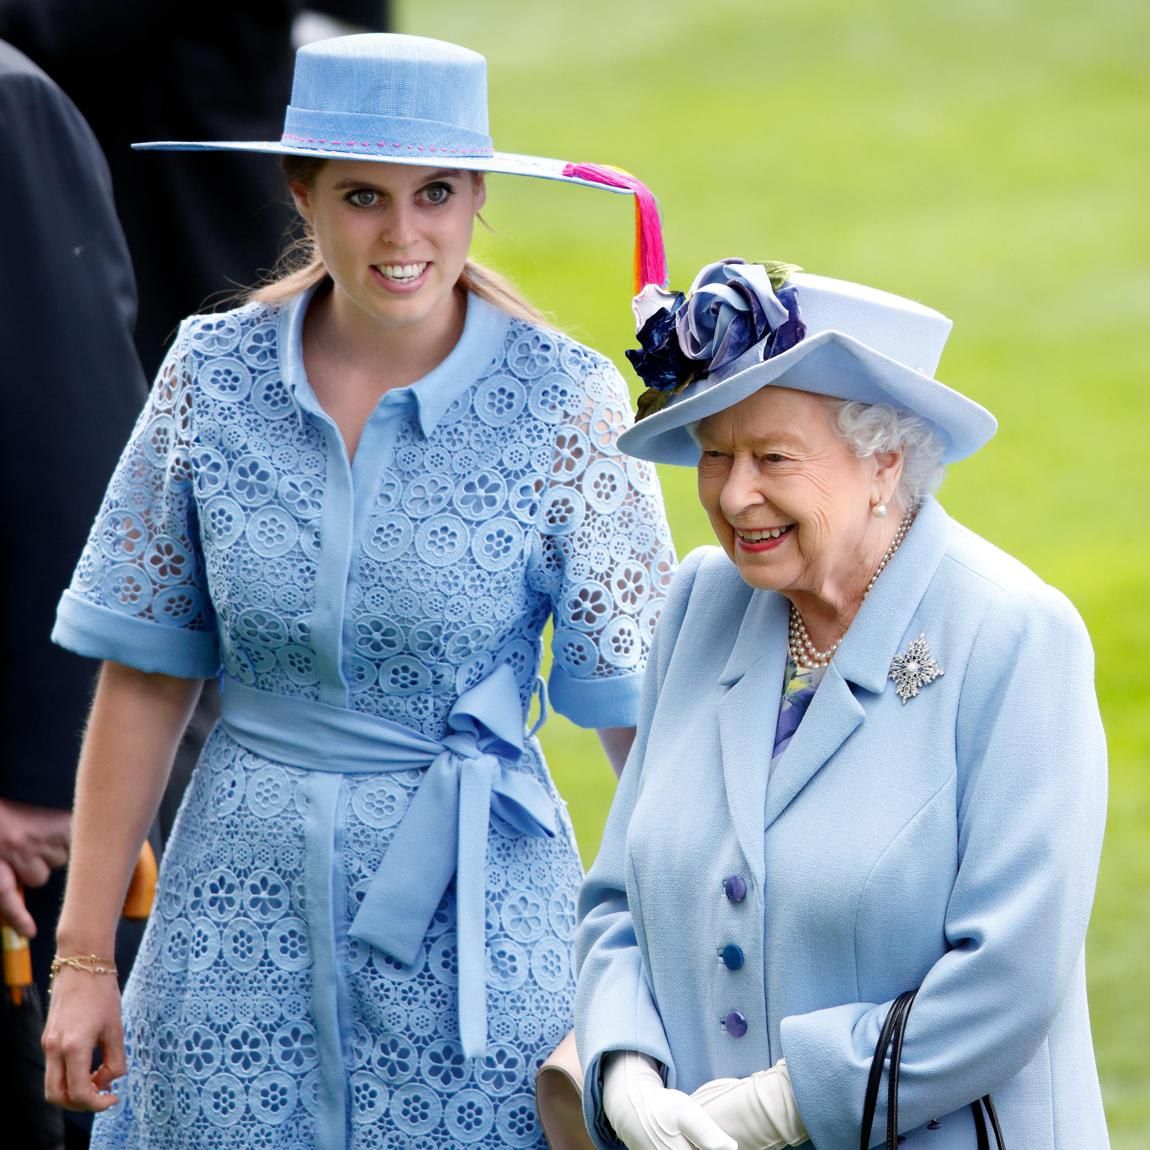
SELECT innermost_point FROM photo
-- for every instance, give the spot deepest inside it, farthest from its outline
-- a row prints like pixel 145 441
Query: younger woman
pixel 361 496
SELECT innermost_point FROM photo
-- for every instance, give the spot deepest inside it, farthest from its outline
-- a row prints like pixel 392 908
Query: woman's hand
pixel 759 1112
pixel 84 1017
pixel 648 1116
pixel 13 912
pixel 136 723
pixel 33 840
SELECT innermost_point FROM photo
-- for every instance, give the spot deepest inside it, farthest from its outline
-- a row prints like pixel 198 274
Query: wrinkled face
pixel 394 238
pixel 789 502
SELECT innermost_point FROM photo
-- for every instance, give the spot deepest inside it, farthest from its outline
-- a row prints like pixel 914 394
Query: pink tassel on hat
pixel 650 258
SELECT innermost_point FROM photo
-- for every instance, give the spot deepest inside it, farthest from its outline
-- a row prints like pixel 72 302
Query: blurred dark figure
pixel 194 231
pixel 218 69
pixel 71 388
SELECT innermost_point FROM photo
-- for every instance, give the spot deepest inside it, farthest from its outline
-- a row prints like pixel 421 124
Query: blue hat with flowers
pixel 745 326
pixel 400 99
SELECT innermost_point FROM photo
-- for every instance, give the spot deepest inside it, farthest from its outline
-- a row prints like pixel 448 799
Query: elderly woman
pixel 869 759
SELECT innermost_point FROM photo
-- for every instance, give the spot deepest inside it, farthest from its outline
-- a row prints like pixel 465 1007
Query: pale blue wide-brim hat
pixel 735 333
pixel 396 99
pixel 392 99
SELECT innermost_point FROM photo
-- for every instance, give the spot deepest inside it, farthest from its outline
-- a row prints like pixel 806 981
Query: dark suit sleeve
pixel 72 385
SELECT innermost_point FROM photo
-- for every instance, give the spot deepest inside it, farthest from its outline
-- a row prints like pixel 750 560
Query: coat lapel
pixel 879 631
pixel 859 671
pixel 748 713
pixel 833 714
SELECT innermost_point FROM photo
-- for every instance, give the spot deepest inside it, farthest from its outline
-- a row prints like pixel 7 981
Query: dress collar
pixel 484 328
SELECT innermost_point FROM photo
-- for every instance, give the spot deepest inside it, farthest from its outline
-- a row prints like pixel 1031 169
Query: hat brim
pixel 498 163
pixel 830 363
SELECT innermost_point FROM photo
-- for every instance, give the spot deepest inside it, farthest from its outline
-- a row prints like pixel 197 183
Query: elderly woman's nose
pixel 741 487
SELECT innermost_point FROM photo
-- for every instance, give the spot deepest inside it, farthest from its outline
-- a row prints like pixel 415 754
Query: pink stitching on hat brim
pixel 483 154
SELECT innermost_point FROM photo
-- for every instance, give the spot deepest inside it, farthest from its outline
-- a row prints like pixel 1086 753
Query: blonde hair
pixel 301 267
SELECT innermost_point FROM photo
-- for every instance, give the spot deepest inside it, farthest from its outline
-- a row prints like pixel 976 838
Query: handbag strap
pixel 983 1109
pixel 893 1077
pixel 895 1022
pixel 891 1038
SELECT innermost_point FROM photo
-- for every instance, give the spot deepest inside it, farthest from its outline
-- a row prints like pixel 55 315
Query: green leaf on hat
pixel 778 271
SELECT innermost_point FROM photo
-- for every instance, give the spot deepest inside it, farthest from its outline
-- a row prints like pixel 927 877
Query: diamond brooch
pixel 914 668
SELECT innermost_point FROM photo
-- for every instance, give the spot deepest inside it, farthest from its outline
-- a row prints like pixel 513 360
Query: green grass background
pixel 989 157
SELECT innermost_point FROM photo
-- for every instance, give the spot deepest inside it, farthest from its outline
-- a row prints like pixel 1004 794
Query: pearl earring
pixel 878 510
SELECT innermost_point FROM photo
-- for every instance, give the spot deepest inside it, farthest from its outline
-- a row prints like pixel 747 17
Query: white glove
pixel 758 1112
pixel 648 1116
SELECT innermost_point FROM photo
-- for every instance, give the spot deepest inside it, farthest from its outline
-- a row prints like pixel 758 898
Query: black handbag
pixel 890 1038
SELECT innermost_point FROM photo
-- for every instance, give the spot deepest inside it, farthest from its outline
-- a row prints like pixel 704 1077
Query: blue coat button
pixel 735 888
pixel 735 1024
pixel 732 956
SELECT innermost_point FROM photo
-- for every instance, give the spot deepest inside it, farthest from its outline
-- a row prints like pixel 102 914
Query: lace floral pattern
pixel 222 539
pixel 223 1050
pixel 516 506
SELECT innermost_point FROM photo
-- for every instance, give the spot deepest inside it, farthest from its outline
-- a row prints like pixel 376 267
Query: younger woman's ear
pixel 301 193
pixel 480 192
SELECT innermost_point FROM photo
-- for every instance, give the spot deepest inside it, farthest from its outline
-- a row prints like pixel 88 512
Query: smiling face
pixel 790 503
pixel 394 239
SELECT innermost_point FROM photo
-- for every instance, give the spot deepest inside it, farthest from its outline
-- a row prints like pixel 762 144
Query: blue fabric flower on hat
pixel 659 361
pixel 736 314
pixel 734 306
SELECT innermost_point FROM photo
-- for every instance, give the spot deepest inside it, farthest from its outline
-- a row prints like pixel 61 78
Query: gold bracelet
pixel 92 963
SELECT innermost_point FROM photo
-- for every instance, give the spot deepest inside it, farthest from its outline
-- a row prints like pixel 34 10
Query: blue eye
pixel 438 193
pixel 361 198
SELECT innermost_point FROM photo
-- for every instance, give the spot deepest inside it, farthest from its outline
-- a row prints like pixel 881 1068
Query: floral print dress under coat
pixel 236 537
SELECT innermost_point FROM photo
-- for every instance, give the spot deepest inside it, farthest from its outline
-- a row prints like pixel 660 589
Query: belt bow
pixel 470 781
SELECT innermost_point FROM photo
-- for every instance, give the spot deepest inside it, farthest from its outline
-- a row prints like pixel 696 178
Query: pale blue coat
pixel 950 842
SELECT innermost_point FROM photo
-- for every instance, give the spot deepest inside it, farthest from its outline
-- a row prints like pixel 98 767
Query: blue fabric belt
pixel 470 779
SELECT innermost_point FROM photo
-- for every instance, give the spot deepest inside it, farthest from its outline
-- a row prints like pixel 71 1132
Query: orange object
pixel 137 905
pixel 142 889
pixel 17 963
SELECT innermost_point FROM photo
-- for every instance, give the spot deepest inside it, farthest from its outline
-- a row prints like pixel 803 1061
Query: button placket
pixel 731 955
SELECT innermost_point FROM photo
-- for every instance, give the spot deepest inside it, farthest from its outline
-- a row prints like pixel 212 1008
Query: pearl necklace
pixel 804 654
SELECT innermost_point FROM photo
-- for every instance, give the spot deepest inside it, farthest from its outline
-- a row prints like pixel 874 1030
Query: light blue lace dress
pixel 378 626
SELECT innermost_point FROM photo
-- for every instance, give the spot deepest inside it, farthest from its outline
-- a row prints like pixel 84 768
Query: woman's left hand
pixel 84 1017
pixel 759 1112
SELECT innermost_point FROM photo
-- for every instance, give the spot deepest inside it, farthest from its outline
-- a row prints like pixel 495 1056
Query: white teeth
pixel 759 536
pixel 401 272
